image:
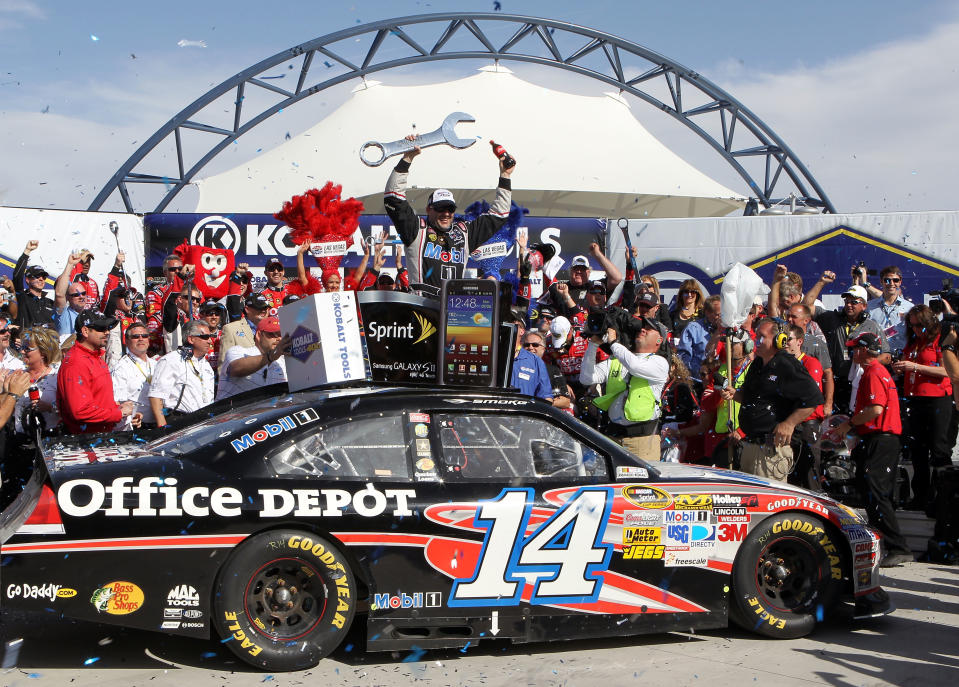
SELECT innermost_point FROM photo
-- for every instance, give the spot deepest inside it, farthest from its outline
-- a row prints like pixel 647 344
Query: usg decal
pixel 183 595
pixel 117 598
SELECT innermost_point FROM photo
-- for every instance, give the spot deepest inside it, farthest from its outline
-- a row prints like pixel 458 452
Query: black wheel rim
pixel 285 599
pixel 788 575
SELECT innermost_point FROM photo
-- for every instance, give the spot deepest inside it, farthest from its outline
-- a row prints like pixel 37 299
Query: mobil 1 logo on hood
pixel 401 335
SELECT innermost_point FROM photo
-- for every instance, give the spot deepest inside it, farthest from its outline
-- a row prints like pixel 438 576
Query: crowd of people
pixel 652 375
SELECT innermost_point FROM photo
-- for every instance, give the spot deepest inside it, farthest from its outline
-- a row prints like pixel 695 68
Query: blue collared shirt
pixel 66 321
pixel 530 375
pixel 891 320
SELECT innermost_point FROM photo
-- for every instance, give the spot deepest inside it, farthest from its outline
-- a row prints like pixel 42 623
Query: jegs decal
pixel 565 553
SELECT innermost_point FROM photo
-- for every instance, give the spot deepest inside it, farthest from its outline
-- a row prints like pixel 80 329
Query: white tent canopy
pixel 578 156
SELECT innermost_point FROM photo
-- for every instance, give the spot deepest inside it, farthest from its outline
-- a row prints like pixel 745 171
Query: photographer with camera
pixel 634 384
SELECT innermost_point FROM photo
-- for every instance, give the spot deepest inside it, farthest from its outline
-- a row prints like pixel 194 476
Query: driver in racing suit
pixel 437 246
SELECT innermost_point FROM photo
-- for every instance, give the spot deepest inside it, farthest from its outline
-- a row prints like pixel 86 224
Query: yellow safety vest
pixel 641 403
pixel 722 412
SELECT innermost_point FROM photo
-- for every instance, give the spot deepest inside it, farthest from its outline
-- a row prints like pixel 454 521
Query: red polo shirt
pixel 85 392
pixel 877 388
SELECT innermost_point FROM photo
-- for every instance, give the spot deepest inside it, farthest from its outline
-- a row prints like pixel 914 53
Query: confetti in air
pixel 184 43
pixel 94 38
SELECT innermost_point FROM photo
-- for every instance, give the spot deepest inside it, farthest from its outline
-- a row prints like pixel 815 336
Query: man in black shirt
pixel 34 306
pixel 777 394
pixel 840 326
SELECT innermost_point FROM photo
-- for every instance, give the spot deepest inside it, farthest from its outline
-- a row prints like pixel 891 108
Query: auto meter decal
pixel 117 598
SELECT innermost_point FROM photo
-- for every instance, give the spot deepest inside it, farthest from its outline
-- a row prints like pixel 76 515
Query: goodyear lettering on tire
pixel 796 525
pixel 343 600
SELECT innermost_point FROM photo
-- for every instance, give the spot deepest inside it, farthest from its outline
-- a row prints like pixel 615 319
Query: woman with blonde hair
pixel 689 306
pixel 41 355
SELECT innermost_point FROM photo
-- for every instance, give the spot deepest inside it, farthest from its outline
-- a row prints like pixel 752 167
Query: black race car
pixel 436 517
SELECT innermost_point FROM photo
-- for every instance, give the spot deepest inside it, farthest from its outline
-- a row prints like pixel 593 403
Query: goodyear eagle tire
pixel 285 599
pixel 787 575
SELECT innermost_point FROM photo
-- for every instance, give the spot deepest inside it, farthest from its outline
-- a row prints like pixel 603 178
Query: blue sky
pixel 864 92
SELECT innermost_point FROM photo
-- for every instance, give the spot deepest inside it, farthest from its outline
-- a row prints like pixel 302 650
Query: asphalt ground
pixel 916 645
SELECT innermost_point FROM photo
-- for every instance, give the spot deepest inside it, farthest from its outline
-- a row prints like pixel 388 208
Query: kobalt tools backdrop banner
pixel 924 245
pixel 257 238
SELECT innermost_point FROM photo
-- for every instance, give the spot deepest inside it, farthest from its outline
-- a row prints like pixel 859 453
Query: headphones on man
pixel 741 336
pixel 780 335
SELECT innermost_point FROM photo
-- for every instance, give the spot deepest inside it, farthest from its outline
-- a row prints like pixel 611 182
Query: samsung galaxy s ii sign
pixel 401 335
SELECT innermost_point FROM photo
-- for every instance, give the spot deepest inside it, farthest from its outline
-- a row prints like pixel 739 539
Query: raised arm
pixel 613 275
pixel 813 293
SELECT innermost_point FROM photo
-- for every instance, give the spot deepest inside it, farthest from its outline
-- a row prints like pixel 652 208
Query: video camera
pixel 947 293
pixel 614 318
pixel 861 265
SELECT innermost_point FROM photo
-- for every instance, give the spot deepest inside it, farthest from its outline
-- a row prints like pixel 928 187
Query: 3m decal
pixel 732 532
pixel 117 598
pixel 692 502
pixel 565 554
pixel 645 552
pixel 404 600
pixel 647 497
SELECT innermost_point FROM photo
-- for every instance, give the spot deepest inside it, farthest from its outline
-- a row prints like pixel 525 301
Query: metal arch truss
pixel 607 64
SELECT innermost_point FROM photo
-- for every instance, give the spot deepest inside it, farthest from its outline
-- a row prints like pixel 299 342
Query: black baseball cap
pixel 648 323
pixel 95 320
pixel 35 271
pixel 547 250
pixel 645 297
pixel 273 262
pixel 596 287
pixel 258 301
pixel 211 305
pixel 866 340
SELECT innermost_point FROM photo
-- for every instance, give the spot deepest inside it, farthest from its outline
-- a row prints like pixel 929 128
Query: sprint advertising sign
pixel 401 332
pixel 326 345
